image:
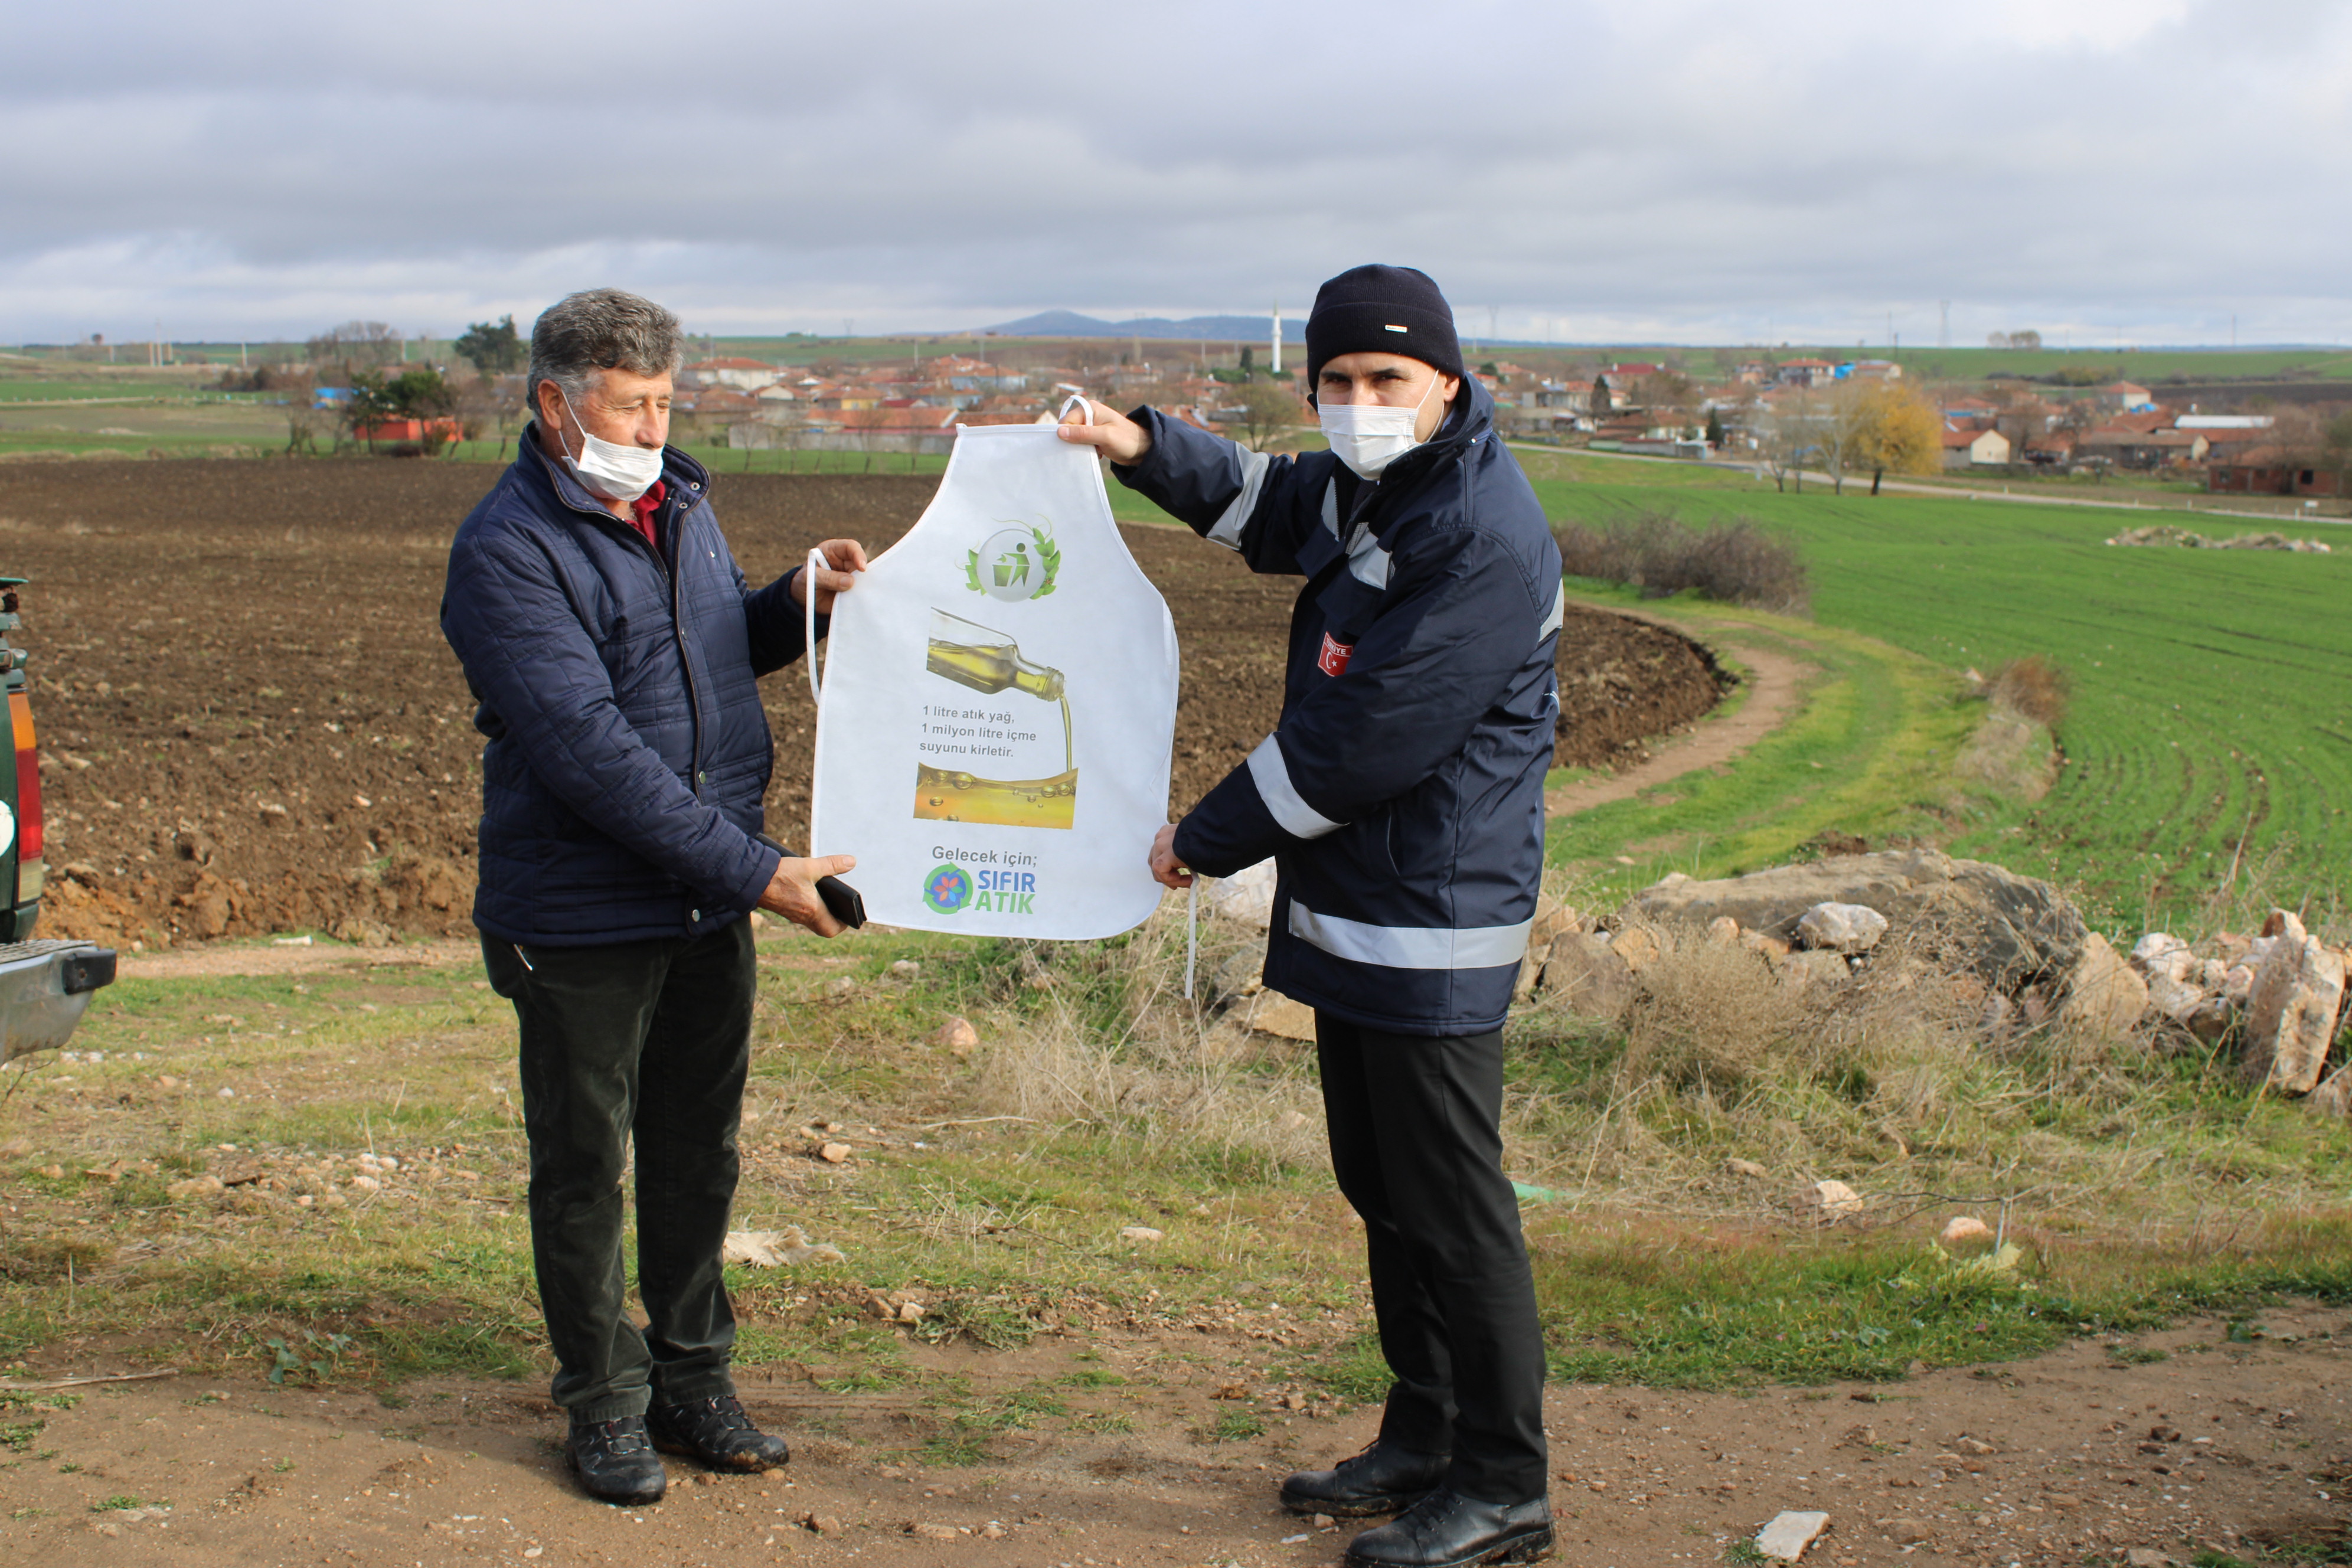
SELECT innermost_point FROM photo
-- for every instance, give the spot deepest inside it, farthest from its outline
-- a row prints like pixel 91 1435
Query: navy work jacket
pixel 1402 795
pixel 629 752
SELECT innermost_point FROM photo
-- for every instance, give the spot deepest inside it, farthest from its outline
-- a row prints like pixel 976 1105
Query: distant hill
pixel 1230 329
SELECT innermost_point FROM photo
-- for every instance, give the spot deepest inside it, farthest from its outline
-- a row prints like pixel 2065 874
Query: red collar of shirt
pixel 642 510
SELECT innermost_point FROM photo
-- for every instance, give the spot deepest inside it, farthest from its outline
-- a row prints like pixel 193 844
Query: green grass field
pixel 2210 723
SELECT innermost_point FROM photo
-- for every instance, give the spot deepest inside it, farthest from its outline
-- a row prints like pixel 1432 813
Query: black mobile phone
pixel 841 900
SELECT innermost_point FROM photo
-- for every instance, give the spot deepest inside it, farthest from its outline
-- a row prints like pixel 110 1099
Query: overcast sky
pixel 1668 171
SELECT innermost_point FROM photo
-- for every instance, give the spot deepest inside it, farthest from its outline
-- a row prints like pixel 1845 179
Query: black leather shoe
pixel 717 1432
pixel 1446 1530
pixel 1383 1479
pixel 615 1462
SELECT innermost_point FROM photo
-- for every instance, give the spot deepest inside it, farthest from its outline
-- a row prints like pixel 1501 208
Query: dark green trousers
pixel 650 1042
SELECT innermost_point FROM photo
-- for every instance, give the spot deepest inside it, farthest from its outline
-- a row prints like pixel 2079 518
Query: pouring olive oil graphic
pixel 990 662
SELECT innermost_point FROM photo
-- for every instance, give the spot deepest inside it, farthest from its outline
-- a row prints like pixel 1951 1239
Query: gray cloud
pixel 1676 170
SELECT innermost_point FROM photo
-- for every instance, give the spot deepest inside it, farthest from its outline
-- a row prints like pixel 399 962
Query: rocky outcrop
pixel 2009 928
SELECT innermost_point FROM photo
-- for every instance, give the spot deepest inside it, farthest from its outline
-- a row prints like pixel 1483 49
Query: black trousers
pixel 1417 1145
pixel 650 1042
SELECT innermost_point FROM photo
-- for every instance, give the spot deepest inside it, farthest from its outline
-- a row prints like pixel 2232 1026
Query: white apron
pixel 999 701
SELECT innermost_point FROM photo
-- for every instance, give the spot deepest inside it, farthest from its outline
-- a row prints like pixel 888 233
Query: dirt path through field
pixel 1774 680
pixel 2182 1441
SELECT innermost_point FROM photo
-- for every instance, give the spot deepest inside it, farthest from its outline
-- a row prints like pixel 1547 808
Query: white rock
pixel 2238 983
pixel 1747 1168
pixel 2175 998
pixel 776 1248
pixel 1141 1233
pixel 1790 1532
pixel 2155 946
pixel 1828 1200
pixel 1842 928
pixel 1965 1227
pixel 1246 896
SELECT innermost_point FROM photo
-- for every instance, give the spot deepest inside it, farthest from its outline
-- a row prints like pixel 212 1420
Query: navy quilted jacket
pixel 1402 795
pixel 629 752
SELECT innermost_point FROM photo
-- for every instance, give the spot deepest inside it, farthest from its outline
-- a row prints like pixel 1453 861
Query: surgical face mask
pixel 609 469
pixel 1369 436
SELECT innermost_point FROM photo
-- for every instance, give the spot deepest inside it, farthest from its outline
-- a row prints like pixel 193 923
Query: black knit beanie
pixel 1381 309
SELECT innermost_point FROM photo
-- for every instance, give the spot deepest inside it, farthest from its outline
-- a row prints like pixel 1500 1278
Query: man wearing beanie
pixel 1401 800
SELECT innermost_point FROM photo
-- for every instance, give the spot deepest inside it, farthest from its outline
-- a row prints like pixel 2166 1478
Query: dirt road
pixel 1774 681
pixel 2069 1459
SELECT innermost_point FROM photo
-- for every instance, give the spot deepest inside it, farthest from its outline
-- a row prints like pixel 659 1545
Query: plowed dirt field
pixel 251 724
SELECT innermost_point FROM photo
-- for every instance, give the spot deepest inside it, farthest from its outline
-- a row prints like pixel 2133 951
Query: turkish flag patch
pixel 1333 659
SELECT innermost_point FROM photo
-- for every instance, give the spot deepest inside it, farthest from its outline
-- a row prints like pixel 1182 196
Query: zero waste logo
pixel 948 888
pixel 1015 562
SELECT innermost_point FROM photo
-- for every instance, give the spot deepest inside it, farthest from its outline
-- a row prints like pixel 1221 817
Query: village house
pixel 2125 397
pixel 743 375
pixel 1970 446
pixel 2131 442
pixel 1804 373
pixel 2270 471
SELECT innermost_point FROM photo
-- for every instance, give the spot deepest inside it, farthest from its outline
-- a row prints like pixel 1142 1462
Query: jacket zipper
pixel 678 629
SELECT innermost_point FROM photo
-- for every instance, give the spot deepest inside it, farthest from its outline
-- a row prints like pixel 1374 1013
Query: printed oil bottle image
pixel 990 661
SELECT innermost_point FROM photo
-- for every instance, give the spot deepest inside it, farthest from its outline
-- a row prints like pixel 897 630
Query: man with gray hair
pixel 614 648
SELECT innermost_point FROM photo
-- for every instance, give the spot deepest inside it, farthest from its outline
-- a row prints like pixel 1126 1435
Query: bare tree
pixel 356 345
pixel 1268 409
pixel 1787 428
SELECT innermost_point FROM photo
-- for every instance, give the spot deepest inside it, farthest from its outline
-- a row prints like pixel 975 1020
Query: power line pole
pixel 1944 324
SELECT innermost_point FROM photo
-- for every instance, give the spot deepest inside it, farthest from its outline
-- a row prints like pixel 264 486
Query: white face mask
pixel 1369 436
pixel 609 469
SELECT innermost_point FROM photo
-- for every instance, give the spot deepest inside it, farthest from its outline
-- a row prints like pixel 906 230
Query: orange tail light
pixel 28 800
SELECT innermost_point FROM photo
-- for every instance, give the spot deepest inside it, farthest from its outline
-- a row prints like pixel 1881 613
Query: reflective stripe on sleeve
pixel 1411 947
pixel 1367 561
pixel 1272 775
pixel 1227 531
pixel 1559 617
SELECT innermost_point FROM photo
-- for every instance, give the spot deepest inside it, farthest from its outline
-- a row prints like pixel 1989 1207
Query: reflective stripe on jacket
pixel 1401 794
pixel 628 751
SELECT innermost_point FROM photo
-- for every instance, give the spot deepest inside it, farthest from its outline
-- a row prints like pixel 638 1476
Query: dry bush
pixel 2009 754
pixel 1710 1016
pixel 2034 686
pixel 1739 563
pixel 1887 1080
pixel 1168 1073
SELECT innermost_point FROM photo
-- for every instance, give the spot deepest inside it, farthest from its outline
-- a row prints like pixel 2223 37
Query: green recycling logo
pixel 1017 562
